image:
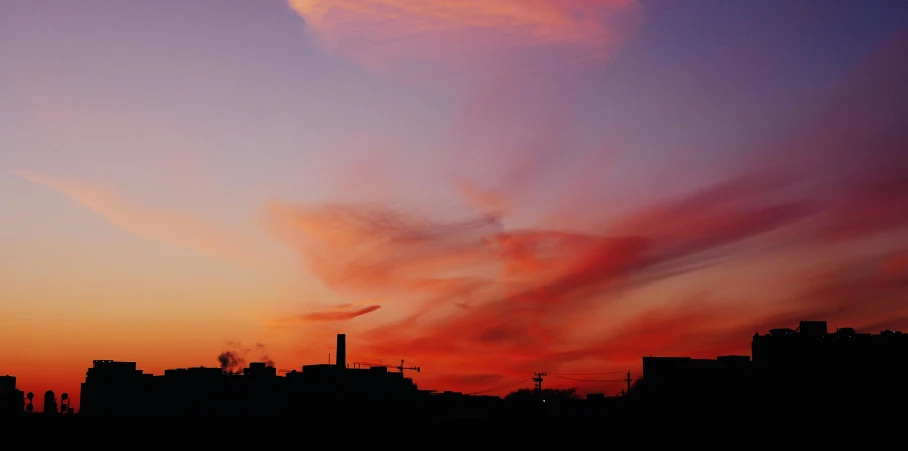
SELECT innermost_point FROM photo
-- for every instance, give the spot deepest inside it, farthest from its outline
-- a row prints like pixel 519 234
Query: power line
pixel 587 380
pixel 614 393
pixel 588 374
pixel 535 377
pixel 501 387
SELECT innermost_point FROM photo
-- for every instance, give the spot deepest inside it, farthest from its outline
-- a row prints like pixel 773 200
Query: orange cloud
pixel 484 297
pixel 366 248
pixel 378 29
pixel 170 228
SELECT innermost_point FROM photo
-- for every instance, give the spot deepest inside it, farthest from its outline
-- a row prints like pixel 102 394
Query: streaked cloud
pixel 379 30
pixel 340 313
pixel 186 232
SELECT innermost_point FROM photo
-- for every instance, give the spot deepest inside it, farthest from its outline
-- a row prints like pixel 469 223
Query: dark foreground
pixel 696 428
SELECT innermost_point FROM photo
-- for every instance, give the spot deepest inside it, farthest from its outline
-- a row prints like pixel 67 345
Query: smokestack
pixel 341 357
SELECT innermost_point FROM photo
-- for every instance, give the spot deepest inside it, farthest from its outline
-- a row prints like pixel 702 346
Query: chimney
pixel 341 357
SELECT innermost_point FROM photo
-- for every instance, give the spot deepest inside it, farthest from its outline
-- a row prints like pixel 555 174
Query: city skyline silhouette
pixel 807 364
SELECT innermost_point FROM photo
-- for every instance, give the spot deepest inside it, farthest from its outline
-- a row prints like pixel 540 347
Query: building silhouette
pixel 807 366
pixel 811 365
pixel 678 381
pixel 12 400
pixel 112 388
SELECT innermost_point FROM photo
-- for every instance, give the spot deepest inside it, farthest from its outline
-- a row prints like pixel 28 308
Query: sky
pixel 483 189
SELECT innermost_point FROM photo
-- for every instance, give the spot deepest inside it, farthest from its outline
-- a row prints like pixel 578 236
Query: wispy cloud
pixel 376 31
pixel 186 232
pixel 340 313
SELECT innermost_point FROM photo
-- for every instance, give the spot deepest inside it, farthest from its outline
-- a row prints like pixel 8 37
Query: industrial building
pixel 120 388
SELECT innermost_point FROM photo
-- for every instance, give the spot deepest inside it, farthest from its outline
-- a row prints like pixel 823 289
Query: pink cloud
pixel 376 31
pixel 167 227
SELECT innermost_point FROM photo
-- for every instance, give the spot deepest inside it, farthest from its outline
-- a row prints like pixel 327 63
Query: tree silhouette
pixel 547 395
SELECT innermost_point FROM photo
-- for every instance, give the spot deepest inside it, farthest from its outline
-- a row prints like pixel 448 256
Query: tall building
pixel 808 367
pixel 811 363
pixel 12 400
pixel 112 387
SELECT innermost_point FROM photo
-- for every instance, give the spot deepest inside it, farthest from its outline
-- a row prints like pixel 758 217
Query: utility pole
pixel 538 380
pixel 628 380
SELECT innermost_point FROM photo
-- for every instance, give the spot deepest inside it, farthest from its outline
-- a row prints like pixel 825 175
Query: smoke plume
pixel 231 362
pixel 234 359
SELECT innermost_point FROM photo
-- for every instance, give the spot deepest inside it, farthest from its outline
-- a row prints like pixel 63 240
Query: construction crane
pixel 400 368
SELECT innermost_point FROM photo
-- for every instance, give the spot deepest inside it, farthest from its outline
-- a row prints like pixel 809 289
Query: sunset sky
pixel 483 188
